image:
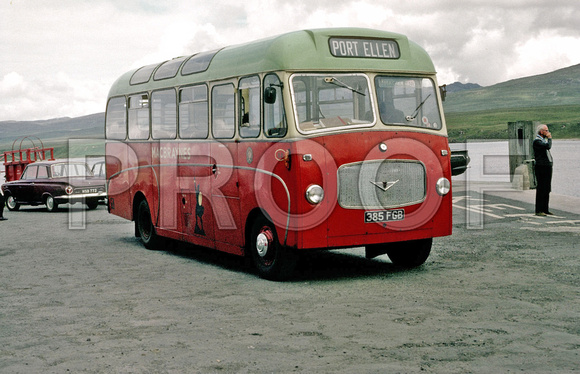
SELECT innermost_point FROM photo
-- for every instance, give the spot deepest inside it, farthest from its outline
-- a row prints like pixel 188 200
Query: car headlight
pixel 314 194
pixel 443 186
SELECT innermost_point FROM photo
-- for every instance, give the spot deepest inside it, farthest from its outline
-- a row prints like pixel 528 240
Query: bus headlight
pixel 443 186
pixel 314 194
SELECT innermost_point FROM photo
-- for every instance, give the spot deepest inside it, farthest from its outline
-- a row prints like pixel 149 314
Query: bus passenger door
pixel 225 197
pixel 195 213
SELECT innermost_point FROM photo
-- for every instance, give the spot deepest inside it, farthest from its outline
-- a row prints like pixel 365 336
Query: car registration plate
pixel 385 215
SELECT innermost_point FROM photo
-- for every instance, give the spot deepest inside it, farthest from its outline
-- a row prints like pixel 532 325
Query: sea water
pixel 490 163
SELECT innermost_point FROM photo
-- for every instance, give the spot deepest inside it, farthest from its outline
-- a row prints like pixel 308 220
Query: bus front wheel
pixel 409 254
pixel 272 260
pixel 145 227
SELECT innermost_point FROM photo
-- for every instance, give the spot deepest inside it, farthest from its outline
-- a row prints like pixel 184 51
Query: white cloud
pixel 12 84
pixel 540 54
pixel 55 96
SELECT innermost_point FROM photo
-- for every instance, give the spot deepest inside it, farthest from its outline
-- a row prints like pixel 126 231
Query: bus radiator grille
pixel 381 184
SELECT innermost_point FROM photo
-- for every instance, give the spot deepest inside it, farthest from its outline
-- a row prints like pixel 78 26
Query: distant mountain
pixel 49 131
pixel 458 86
pixel 561 87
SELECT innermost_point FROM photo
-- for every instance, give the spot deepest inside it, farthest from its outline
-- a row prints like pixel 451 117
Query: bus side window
pixel 193 113
pixel 249 90
pixel 275 125
pixel 116 119
pixel 163 114
pixel 223 111
pixel 139 117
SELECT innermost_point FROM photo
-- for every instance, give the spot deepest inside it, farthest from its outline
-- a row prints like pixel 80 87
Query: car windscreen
pixel 70 170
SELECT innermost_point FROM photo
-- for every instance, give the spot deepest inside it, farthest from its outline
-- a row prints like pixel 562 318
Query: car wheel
pixel 410 254
pixel 93 204
pixel 272 260
pixel 145 227
pixel 12 204
pixel 51 205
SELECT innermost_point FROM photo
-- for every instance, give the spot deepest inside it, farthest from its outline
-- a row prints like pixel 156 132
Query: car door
pixel 25 191
pixel 40 184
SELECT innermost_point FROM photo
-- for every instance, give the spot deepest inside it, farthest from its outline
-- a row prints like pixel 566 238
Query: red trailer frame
pixel 15 161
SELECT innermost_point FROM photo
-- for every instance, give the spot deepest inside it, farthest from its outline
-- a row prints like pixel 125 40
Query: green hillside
pixel 483 113
pixel 85 133
pixel 561 87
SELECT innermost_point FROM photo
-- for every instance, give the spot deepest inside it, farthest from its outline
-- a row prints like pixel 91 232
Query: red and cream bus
pixel 315 139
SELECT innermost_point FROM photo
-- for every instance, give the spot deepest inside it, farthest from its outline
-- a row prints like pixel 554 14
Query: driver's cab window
pixel 275 125
pixel 249 91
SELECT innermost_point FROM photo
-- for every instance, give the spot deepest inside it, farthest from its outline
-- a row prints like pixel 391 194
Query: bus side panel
pixel 261 192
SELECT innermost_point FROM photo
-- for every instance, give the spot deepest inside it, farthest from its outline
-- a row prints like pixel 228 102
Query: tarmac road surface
pixel 499 295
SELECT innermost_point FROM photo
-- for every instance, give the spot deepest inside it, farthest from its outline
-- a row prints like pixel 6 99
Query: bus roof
pixel 306 50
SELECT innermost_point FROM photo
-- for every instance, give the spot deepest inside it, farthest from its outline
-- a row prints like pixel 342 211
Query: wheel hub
pixel 264 241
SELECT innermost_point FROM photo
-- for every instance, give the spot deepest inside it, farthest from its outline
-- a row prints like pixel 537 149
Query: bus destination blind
pixel 364 48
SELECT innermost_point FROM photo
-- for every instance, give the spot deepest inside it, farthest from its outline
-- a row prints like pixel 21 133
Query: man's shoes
pixel 550 213
pixel 541 214
pixel 3 219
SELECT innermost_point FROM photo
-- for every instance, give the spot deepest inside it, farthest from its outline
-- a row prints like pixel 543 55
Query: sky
pixel 58 58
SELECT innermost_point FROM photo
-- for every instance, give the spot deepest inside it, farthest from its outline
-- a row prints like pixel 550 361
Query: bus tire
pixel 145 227
pixel 11 203
pixel 272 260
pixel 50 204
pixel 410 254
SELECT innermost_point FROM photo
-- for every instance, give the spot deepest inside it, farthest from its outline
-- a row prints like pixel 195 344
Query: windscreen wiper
pixel 412 117
pixel 336 82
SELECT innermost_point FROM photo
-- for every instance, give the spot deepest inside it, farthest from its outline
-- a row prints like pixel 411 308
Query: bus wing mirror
pixel 269 95
pixel 443 91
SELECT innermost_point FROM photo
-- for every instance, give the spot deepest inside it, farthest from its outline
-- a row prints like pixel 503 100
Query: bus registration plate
pixel 385 215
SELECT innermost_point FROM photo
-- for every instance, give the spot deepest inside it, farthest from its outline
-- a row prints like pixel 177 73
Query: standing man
pixel 543 169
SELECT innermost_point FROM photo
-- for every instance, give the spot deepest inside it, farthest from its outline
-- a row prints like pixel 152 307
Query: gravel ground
pixel 500 299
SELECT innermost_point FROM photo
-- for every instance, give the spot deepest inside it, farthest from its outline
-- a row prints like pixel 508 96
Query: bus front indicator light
pixel 443 186
pixel 314 194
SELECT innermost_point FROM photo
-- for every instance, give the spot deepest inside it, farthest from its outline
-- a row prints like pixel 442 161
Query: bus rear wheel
pixel 145 227
pixel 272 260
pixel 409 254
